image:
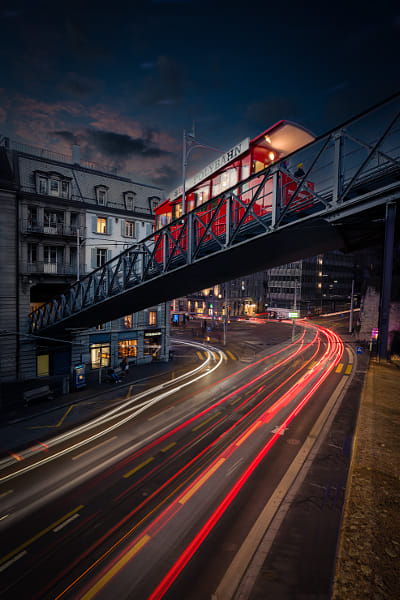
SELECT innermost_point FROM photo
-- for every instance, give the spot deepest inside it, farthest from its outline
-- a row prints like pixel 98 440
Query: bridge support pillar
pixel 386 281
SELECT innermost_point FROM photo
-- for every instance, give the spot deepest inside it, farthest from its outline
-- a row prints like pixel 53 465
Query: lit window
pixel 152 317
pixel 128 322
pixel 127 349
pixel 130 229
pixel 101 225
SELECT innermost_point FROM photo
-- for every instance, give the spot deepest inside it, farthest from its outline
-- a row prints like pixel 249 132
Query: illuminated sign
pixel 152 333
pixel 217 164
pixel 293 315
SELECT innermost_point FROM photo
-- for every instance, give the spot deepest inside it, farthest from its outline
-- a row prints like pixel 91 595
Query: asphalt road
pixel 154 499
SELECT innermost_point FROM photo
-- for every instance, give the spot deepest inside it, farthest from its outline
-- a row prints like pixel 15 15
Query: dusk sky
pixel 124 79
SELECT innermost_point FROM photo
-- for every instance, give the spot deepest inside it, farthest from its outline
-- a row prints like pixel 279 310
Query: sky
pixel 123 80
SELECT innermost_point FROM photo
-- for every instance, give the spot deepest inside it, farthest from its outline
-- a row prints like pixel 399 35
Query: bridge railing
pixel 356 158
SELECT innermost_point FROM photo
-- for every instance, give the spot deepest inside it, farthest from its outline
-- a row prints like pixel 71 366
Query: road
pixel 139 501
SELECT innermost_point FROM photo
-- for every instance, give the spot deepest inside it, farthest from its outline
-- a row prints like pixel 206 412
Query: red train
pixel 228 171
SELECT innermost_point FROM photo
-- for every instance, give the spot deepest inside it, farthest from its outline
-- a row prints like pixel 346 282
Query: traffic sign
pixel 359 350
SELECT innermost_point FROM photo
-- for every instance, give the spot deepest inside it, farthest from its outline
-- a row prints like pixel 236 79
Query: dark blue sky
pixel 124 80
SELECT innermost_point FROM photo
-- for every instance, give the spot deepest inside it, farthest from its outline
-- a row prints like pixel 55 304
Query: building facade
pixel 60 219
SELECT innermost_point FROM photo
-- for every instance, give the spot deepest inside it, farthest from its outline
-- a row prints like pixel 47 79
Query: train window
pixel 202 195
pixel 245 175
pixel 216 186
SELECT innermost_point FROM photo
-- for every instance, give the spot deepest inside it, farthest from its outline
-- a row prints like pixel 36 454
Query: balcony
pixel 59 229
pixel 46 268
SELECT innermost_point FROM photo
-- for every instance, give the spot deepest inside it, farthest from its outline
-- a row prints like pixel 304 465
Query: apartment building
pixel 62 217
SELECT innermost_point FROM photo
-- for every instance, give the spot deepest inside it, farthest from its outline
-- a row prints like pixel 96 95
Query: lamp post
pixel 189 144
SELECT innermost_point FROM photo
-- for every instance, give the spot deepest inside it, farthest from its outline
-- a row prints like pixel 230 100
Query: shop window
pixel 100 355
pixel 127 349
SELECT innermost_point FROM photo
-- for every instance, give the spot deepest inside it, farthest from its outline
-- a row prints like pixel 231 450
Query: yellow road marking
pixel 129 391
pixel 58 424
pixel 117 567
pixel 94 447
pixel 339 368
pixel 39 535
pixel 348 369
pixel 312 364
pixel 199 354
pixel 229 353
pixel 248 433
pixel 143 464
pixel 168 447
pixel 206 421
pixel 202 480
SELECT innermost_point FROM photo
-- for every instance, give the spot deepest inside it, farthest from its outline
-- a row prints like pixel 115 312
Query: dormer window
pixel 129 198
pixel 153 202
pixel 52 184
pixel 101 194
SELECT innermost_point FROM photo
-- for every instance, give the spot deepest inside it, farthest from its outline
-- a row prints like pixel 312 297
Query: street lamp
pixel 189 144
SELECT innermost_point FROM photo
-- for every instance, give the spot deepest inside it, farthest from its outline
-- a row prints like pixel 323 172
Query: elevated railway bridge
pixel 355 175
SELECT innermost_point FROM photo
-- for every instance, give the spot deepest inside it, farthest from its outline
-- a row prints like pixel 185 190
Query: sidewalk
pixel 368 560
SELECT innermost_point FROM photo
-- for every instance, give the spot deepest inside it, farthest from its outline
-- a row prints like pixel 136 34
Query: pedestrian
pixel 113 375
pixel 124 365
pixel 299 171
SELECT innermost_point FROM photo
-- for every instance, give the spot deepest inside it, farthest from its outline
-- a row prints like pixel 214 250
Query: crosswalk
pixel 227 354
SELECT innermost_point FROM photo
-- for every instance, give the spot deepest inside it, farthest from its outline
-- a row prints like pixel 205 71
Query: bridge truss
pixel 350 172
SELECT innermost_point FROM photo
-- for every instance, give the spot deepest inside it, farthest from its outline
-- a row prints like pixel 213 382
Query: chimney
pixel 76 154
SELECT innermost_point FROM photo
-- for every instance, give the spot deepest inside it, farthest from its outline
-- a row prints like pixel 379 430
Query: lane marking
pixel 39 535
pixel 143 464
pixel 199 354
pixel 202 480
pixel 339 368
pixel 206 421
pixel 75 516
pixel 168 447
pixel 248 433
pixel 348 369
pixel 12 561
pixel 94 447
pixel 129 392
pixel 117 567
pixel 231 356
pixel 58 424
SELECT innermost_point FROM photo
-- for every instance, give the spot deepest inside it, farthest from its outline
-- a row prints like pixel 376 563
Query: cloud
pixel 166 176
pixel 124 146
pixel 68 136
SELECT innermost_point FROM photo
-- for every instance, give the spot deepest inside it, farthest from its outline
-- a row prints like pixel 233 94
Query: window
pixel 101 194
pixel 32 216
pixel 130 228
pixel 128 321
pixel 101 256
pixel 65 189
pixel 32 253
pixel 101 225
pixel 129 200
pixel 42 185
pixel 127 349
pixel 152 317
pixel 54 187
pixel 100 355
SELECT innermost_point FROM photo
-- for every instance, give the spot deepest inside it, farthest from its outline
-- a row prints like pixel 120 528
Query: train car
pixel 244 160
